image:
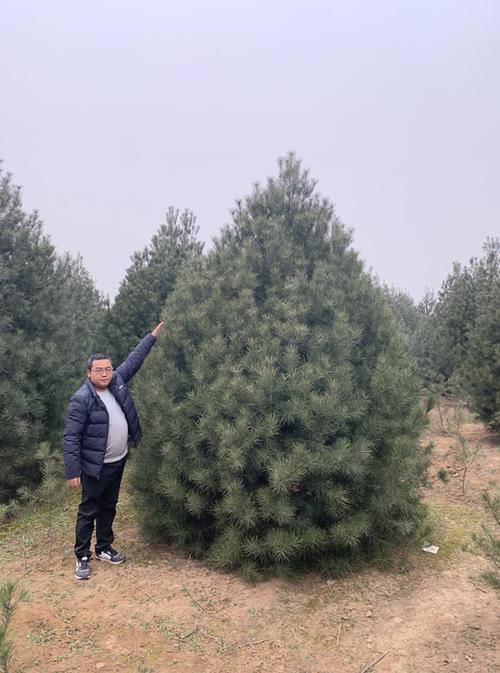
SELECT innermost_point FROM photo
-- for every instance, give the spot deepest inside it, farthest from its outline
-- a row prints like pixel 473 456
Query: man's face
pixel 101 373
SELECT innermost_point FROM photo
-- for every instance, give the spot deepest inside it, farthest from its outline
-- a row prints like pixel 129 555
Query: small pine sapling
pixel 50 493
pixel 489 540
pixel 11 594
pixel 464 452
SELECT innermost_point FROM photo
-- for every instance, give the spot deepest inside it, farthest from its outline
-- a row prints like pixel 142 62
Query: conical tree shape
pixel 280 408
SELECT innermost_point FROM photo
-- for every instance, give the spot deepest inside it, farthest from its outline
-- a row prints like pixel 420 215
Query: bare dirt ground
pixel 163 612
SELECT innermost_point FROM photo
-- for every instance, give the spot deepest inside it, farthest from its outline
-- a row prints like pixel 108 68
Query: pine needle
pixel 374 663
pixel 198 605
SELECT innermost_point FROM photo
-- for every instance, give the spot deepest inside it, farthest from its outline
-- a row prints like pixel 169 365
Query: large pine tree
pixel 281 409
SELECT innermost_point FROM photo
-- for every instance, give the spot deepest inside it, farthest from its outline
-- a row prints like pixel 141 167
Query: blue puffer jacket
pixel 86 427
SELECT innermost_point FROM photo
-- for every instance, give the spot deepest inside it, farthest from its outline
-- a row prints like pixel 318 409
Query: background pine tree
pixel 459 344
pixel 452 315
pixel 148 282
pixel 281 409
pixel 413 319
pixel 479 373
pixel 47 306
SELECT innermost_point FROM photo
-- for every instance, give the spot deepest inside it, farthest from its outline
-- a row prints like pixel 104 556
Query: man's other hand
pixel 74 483
pixel 158 328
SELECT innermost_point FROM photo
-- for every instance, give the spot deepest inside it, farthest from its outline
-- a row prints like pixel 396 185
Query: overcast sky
pixel 111 111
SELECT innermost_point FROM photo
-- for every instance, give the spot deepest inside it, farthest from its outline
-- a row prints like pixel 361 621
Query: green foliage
pixel 419 344
pixel 405 311
pixel 50 493
pixel 80 315
pixel 149 281
pixel 280 407
pixel 414 320
pixel 480 372
pixel 11 594
pixel 47 306
pixel 453 313
pixel 488 542
pixel 443 475
pixel 460 345
pixel 465 453
pixel 26 274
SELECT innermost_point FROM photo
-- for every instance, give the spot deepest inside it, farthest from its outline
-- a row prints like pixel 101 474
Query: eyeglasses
pixel 102 370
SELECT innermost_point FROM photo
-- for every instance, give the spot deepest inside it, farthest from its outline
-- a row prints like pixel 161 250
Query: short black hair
pixel 97 356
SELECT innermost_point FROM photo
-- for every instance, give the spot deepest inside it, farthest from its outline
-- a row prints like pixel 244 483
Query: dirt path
pixel 161 612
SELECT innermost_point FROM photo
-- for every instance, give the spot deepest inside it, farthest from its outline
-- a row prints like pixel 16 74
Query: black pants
pixel 99 498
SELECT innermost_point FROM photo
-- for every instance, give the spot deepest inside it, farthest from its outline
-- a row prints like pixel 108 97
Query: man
pixel 101 417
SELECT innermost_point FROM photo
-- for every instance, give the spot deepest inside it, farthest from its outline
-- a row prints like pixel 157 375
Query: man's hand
pixel 158 328
pixel 74 483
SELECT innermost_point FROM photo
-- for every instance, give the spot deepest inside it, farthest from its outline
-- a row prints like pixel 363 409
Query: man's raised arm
pixel 131 365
